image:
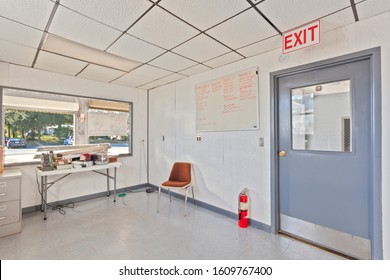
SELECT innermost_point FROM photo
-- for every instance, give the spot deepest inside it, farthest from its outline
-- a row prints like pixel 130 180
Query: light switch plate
pixel 261 142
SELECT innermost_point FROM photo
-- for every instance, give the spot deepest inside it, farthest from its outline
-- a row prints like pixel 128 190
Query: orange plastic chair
pixel 179 179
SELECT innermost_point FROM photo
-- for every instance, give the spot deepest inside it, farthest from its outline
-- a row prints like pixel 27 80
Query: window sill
pixel 38 161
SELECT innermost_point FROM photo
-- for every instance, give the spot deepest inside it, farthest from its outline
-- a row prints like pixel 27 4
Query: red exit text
pixel 301 37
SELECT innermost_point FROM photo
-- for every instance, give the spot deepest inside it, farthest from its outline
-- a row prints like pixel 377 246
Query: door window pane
pixel 321 117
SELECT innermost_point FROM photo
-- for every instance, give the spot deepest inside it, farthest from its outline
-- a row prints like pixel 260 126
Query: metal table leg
pixel 41 189
pixel 108 183
pixel 115 184
pixel 45 198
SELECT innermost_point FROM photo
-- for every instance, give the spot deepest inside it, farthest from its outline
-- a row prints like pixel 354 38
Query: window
pixel 32 119
pixel 321 117
pixel 108 122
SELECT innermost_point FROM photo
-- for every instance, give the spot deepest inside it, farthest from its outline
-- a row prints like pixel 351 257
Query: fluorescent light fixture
pixel 40 105
pixel 61 46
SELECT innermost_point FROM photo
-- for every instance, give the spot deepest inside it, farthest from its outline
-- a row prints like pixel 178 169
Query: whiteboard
pixel 228 103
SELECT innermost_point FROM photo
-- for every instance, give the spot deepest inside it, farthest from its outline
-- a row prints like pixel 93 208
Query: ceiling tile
pixel 154 84
pixel 135 49
pixel 266 45
pixel 204 14
pixel 17 54
pixel 78 28
pixel 119 14
pixel 56 63
pixel 242 30
pixel 173 78
pixel 162 29
pixel 195 70
pixel 19 33
pixel 201 48
pixel 293 13
pixel 337 20
pixel 172 62
pixel 132 80
pixel 223 60
pixel 100 73
pixel 32 13
pixel 371 8
pixel 150 71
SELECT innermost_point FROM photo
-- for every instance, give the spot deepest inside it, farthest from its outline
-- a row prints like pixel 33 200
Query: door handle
pixel 282 153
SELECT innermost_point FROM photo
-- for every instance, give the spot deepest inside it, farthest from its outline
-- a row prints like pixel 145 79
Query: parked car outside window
pixel 16 143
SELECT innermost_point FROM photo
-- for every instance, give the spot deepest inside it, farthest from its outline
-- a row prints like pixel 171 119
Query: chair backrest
pixel 181 172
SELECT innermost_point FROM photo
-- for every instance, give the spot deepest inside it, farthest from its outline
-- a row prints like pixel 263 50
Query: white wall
pixel 133 170
pixel 226 162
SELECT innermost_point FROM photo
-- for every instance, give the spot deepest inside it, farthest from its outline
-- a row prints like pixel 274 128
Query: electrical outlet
pixel 199 139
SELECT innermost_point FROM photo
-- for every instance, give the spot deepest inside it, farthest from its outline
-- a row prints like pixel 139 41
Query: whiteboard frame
pixel 256 69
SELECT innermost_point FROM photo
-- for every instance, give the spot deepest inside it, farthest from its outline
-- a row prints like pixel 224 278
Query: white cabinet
pixel 10 206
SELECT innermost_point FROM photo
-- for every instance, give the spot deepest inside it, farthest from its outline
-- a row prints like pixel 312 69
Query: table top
pixel 76 170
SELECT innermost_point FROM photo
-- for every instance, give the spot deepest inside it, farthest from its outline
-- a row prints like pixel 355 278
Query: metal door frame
pixel 376 135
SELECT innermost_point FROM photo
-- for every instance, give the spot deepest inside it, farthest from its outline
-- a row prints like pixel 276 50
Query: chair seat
pixel 175 184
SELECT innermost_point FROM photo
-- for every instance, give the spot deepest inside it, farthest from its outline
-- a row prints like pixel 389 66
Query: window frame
pixel 131 121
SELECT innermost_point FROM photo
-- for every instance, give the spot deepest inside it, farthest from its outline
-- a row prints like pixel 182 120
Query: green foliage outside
pixel 32 125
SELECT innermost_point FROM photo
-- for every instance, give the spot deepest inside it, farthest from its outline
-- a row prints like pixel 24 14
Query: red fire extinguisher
pixel 243 209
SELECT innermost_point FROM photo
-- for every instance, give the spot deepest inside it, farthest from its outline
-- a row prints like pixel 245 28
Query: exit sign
pixel 301 37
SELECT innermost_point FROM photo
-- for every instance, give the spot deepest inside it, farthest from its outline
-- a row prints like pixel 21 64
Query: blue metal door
pixel 324 142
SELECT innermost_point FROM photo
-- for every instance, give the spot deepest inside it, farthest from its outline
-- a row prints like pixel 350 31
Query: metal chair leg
pixel 193 197
pixel 185 203
pixel 170 198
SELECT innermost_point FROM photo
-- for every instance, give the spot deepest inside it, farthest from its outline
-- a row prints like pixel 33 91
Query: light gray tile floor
pixel 100 229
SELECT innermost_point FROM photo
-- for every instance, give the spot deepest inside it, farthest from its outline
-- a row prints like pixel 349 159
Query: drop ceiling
pixel 163 40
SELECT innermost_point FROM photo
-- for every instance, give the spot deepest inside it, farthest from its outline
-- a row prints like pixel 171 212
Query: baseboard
pixel 229 214
pixel 34 208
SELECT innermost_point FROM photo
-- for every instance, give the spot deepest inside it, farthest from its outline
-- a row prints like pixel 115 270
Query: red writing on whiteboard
pixel 230 108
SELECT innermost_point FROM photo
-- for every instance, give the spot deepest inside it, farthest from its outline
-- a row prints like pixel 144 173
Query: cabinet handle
pixel 3 218
pixel 3 194
pixel 3 207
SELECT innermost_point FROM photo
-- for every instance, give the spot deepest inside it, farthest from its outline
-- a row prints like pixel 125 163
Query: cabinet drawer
pixel 9 190
pixel 9 212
